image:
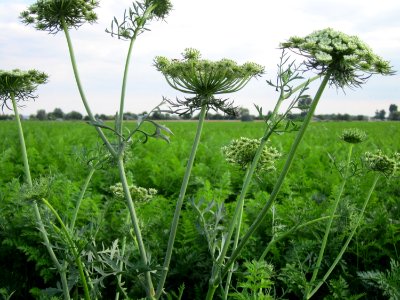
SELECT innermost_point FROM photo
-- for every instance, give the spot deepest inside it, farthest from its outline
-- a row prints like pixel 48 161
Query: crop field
pixel 61 153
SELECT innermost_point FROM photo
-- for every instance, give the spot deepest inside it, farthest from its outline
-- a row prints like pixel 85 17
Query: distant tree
pixel 41 115
pixel 395 116
pixel 73 115
pixel 393 112
pixel 244 115
pixel 380 114
pixel 58 113
pixel 130 116
pixel 186 116
pixel 6 117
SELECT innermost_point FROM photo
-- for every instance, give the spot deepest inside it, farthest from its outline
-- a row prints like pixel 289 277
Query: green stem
pixel 121 264
pixel 287 233
pixel 27 172
pixel 123 89
pixel 213 284
pixel 277 186
pixel 83 191
pixel 73 248
pixel 61 270
pixel 136 227
pixel 179 203
pixel 331 214
pixel 346 244
pixel 80 88
pixel 237 232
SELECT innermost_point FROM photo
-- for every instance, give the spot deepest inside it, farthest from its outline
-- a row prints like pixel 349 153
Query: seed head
pixel 241 152
pixel 350 60
pixel 48 15
pixel 382 163
pixel 353 135
pixel 19 84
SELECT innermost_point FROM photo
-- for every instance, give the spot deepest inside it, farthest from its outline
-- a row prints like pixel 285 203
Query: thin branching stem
pixel 61 270
pixel 331 214
pixel 349 238
pixel 214 280
pixel 136 227
pixel 179 203
pixel 73 248
pixel 289 232
pixel 124 82
pixel 81 195
pixel 81 91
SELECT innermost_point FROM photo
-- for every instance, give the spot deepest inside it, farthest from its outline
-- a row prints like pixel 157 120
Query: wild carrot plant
pixel 16 86
pixel 340 60
pixel 203 79
pixel 334 57
pixel 55 16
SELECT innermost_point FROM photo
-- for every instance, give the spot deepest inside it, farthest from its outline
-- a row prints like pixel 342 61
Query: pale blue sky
pixel 241 30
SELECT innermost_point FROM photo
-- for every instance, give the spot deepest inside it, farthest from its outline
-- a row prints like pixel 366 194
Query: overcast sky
pixel 241 30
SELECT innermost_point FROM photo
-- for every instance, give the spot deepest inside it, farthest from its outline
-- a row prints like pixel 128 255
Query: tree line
pixel 243 114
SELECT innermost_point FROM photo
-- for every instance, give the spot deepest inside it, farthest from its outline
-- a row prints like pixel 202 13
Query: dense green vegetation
pixel 58 150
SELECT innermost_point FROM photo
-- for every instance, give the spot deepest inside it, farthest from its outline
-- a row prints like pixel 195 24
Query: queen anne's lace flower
pixel 242 151
pixel 353 135
pixel 19 84
pixel 349 60
pixel 205 78
pixel 379 162
pixel 49 15
pixel 138 194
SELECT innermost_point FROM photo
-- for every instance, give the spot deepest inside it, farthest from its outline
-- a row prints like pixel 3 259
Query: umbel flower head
pixel 205 78
pixel 139 194
pixel 19 85
pixel 241 152
pixel 353 135
pixel 49 15
pixel 379 162
pixel 349 60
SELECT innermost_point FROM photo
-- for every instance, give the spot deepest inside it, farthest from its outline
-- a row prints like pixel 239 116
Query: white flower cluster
pixel 138 194
pixel 241 152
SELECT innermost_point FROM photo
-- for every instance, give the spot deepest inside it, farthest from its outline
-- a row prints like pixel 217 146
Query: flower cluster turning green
pixel 353 135
pixel 242 151
pixel 382 163
pixel 194 75
pixel 138 194
pixel 346 57
pixel 49 15
pixel 19 84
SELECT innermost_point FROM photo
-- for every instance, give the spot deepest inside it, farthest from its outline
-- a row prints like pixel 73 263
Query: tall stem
pixel 179 203
pixel 27 172
pixel 81 195
pixel 136 227
pixel 346 244
pixel 213 282
pixel 80 88
pixel 331 215
pixel 123 89
pixel 73 248
pixel 61 270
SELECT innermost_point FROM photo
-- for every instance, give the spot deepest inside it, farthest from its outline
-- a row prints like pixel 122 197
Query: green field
pixel 58 154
